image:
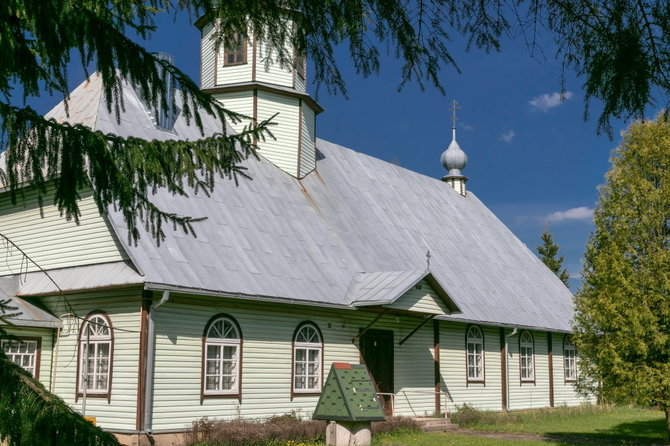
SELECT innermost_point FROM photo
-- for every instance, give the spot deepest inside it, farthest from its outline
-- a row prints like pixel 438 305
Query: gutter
pixel 514 332
pixel 151 353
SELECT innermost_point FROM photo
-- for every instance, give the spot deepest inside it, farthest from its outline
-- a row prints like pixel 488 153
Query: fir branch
pixel 31 415
pixel 124 172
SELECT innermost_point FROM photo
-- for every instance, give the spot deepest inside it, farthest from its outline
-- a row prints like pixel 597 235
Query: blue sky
pixel 532 159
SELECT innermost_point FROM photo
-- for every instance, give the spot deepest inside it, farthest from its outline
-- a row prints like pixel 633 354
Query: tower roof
pixel 454 158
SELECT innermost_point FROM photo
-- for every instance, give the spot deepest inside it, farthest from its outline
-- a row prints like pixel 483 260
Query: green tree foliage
pixel 32 416
pixel 621 49
pixel 547 252
pixel 623 310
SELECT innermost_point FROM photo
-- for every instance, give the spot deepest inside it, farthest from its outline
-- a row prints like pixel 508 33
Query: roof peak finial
pixel 454 107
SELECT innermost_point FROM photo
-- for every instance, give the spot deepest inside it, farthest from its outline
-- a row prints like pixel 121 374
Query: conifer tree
pixel 621 48
pixel 623 309
pixel 548 251
pixel 32 416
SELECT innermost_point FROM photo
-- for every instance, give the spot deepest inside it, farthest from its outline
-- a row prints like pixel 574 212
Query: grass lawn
pixel 561 426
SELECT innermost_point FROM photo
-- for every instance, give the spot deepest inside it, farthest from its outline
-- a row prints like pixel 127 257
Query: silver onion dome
pixel 454 159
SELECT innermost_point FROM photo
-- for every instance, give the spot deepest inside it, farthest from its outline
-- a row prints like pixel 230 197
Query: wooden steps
pixel 427 424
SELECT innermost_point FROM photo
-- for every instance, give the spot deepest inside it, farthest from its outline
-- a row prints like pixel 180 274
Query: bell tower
pixel 241 78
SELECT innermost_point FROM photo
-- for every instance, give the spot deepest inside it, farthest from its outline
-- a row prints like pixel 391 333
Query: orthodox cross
pixel 428 259
pixel 454 107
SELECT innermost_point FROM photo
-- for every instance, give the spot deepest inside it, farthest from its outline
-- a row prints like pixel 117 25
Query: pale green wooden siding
pixel 422 300
pixel 272 72
pixel 46 338
pixel 308 139
pixel 123 308
pixel 299 84
pixel 207 56
pixel 486 395
pixel 528 395
pixel 240 102
pixel 564 392
pixel 233 74
pixel 283 152
pixel 52 241
pixel 266 380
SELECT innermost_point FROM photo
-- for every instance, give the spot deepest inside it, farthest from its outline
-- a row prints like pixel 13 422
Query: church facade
pixel 326 255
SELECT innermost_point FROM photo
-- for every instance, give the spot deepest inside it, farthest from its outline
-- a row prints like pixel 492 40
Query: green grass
pixel 587 425
pixel 446 439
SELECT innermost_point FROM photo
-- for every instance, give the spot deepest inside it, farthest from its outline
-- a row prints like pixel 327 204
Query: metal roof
pixel 385 287
pixel 79 278
pixel 305 240
pixel 29 315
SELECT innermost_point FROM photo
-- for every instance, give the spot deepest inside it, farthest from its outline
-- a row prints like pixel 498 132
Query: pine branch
pixel 124 172
pixel 31 415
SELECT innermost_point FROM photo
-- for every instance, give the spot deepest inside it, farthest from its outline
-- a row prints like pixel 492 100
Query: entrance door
pixel 377 352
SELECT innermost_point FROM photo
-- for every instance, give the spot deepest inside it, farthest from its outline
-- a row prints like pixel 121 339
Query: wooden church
pixel 326 255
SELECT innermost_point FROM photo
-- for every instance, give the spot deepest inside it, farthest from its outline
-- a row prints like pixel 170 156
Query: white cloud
pixel 546 101
pixel 465 126
pixel 580 213
pixel 507 136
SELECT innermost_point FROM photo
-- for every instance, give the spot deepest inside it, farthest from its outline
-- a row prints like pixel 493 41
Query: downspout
pixel 151 350
pixel 507 364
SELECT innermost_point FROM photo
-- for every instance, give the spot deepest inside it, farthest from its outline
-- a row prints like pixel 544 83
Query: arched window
pixel 526 357
pixel 307 359
pixel 475 353
pixel 569 359
pixel 96 343
pixel 221 357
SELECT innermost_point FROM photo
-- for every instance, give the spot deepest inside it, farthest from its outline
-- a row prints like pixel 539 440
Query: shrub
pixel 469 415
pixel 277 430
pixel 394 424
pixel 281 430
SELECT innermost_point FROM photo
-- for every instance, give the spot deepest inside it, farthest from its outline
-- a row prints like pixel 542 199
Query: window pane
pixel 229 352
pixel 313 355
pixel 213 352
pixel 212 383
pixel 300 354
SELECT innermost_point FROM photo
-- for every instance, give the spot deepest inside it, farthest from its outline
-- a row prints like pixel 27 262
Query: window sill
pixel 221 395
pixel 476 381
pixel 234 64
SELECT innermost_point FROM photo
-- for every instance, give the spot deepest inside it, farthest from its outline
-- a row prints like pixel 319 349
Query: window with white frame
pixel 307 358
pixel 475 354
pixel 569 359
pixel 95 355
pixel 526 356
pixel 22 352
pixel 222 357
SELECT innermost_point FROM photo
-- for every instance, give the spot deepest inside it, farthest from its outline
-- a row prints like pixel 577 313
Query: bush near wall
pixel 283 430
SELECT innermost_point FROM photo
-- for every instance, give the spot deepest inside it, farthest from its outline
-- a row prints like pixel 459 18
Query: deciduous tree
pixel 623 309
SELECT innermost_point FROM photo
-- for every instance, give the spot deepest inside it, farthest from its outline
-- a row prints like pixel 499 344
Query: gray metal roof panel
pixel 29 315
pixel 79 278
pixel 304 240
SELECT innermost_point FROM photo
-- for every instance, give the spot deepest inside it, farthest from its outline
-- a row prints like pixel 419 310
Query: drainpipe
pixel 151 351
pixel 507 364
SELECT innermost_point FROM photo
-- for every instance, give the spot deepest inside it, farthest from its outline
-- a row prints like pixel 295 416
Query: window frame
pixel 568 344
pixel 38 351
pixel 530 345
pixel 304 345
pixel 244 41
pixel 92 393
pixel 482 354
pixel 237 391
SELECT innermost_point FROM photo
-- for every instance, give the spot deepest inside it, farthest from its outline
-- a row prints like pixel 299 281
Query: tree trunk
pixel 666 409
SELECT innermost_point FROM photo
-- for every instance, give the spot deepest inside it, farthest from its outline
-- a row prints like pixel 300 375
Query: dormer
pixel 242 77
